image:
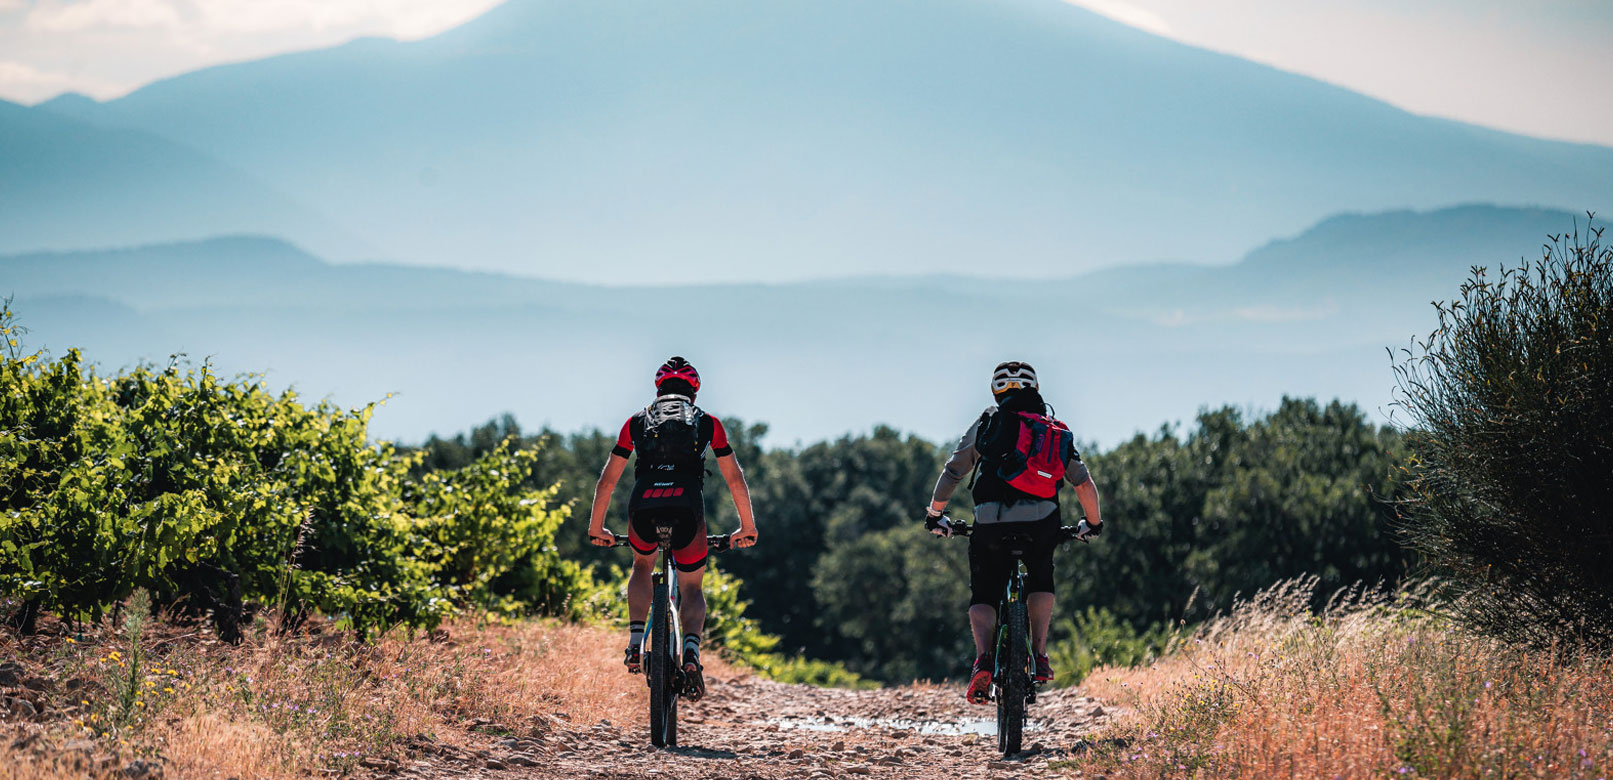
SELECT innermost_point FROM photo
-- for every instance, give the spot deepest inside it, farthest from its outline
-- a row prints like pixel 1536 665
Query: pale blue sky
pixel 1540 67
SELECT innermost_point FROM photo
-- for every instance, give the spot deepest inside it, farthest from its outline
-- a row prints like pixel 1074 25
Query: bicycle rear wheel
pixel 663 700
pixel 1012 691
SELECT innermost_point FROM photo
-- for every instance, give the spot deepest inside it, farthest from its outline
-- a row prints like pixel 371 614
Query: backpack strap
pixel 986 418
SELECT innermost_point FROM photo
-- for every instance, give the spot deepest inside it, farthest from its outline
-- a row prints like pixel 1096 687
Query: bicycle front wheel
pixel 1014 686
pixel 659 670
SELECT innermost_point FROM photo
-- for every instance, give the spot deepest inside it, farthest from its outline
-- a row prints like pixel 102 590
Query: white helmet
pixel 1012 375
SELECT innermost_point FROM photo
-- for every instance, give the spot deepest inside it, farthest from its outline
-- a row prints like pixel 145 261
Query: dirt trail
pixel 749 727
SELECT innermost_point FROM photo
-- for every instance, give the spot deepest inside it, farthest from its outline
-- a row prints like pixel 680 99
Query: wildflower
pixel 71 641
pixel 168 690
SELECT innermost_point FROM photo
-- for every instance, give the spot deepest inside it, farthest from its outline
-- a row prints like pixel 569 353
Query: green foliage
pixel 1235 506
pixel 727 626
pixel 217 495
pixel 1509 400
pixel 895 603
pixel 1096 638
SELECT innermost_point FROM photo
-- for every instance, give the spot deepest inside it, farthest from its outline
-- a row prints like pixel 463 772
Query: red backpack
pixel 1030 459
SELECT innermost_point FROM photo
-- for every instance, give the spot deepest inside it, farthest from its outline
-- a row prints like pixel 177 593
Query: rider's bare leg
pixel 982 619
pixel 1039 608
pixel 692 598
pixel 640 588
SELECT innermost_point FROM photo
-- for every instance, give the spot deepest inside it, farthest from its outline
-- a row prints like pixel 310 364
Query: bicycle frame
pixel 662 651
pixel 1013 593
pixel 1012 688
pixel 666 576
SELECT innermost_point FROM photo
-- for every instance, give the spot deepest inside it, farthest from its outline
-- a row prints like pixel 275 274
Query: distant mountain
pixel 706 140
pixel 66 183
pixel 1120 350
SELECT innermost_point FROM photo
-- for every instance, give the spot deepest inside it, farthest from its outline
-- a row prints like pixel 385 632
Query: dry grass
pixel 1375 687
pixel 313 703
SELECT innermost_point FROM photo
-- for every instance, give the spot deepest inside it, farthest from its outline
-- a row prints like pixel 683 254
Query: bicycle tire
pixel 662 697
pixel 999 680
pixel 672 696
pixel 1011 698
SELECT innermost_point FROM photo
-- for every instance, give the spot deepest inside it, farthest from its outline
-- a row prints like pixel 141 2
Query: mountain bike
pixel 663 635
pixel 1013 686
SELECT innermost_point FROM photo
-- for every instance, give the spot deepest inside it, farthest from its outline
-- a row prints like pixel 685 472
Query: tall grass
pixel 1375 686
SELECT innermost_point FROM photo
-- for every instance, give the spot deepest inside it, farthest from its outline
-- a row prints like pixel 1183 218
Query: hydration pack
pixel 1028 451
pixel 671 442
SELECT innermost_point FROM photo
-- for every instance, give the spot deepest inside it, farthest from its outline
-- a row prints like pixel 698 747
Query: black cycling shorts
pixel 991 561
pixel 687 518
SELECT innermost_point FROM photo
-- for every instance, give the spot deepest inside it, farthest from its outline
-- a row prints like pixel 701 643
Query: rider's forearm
pixel 741 493
pixel 1087 492
pixel 739 489
pixel 602 490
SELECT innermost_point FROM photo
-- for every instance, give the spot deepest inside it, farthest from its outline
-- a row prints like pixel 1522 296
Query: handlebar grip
pixel 719 543
pixel 619 540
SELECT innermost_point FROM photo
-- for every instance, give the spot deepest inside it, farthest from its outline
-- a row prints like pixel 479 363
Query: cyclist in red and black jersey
pixel 670 437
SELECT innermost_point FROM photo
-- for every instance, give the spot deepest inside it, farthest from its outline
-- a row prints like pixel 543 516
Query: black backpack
pixel 671 441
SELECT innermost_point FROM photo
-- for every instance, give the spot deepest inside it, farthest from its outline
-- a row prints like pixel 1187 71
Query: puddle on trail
pixel 960 727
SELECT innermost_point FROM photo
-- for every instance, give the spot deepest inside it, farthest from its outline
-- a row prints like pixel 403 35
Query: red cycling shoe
pixel 1044 669
pixel 980 680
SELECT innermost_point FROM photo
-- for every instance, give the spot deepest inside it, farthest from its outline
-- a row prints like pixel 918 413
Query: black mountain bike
pixel 1013 685
pixel 663 648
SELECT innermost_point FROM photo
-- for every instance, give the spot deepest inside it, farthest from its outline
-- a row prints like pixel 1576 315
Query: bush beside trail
pixel 1510 399
pixel 218 497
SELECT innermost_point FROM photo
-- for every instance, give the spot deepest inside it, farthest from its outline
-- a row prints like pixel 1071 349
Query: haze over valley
pixel 844 212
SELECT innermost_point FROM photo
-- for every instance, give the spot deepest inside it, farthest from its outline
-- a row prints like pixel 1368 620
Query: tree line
pixel 846 573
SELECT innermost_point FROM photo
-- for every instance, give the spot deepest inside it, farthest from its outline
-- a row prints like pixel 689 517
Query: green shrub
pixel 218 496
pixel 1509 401
pixel 1096 638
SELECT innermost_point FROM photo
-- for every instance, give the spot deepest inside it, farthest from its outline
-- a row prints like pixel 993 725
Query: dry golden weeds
pixel 1376 686
pixel 313 703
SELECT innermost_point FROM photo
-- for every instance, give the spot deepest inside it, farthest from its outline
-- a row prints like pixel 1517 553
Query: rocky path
pixel 749 727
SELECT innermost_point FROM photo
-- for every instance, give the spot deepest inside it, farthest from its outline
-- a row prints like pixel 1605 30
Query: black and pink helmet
pixel 677 368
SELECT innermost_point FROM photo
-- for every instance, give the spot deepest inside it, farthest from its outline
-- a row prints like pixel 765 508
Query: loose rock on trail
pixel 749 727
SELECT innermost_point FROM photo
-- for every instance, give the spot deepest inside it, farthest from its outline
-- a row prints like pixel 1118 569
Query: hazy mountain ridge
pixel 1126 347
pixel 72 184
pixel 708 140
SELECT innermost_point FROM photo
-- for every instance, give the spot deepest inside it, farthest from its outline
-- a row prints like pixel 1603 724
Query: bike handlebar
pixel 1066 532
pixel 718 543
